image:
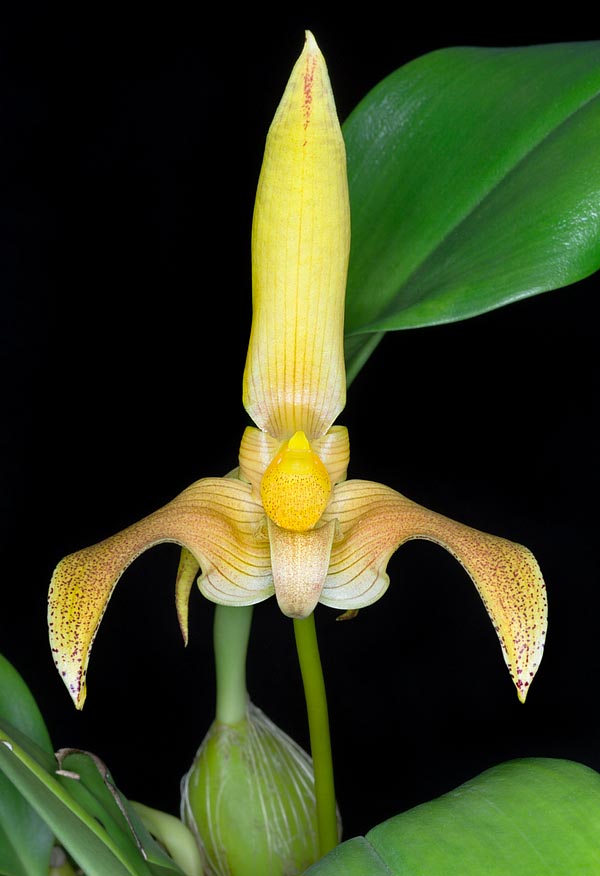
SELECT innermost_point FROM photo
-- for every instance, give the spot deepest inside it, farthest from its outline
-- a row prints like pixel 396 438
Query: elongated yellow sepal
pixel 295 377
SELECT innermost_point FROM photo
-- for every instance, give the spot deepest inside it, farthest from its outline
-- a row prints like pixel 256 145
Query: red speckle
pixel 309 75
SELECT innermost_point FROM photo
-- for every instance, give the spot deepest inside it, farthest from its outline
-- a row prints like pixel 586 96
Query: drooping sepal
pixel 375 520
pixel 218 522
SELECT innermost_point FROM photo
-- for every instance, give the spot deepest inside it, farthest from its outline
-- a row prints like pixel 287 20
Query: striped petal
pixel 295 378
pixel 258 449
pixel 215 519
pixel 374 521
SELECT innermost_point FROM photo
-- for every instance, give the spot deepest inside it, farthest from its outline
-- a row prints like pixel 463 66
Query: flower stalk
pixel 231 632
pixel 318 724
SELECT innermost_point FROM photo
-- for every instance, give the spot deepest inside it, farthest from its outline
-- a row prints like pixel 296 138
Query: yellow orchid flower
pixel 287 521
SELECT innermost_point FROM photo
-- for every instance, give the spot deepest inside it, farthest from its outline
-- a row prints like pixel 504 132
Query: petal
pixel 256 452
pixel 295 377
pixel 215 519
pixel 334 451
pixel 375 520
pixel 300 561
pixel 258 449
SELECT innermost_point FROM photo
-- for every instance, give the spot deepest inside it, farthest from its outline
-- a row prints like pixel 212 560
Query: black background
pixel 132 146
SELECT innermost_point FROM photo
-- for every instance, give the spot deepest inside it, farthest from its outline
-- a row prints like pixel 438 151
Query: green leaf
pixel 18 706
pixel 95 789
pixel 523 817
pixel 474 182
pixel 25 840
pixel 89 817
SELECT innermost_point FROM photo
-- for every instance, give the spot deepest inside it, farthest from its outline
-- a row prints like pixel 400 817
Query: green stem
pixel 231 631
pixel 318 725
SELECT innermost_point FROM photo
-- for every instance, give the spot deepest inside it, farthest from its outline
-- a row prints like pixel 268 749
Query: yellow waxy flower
pixel 287 521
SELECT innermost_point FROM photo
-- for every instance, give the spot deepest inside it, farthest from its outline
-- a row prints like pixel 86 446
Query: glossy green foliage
pixel 25 841
pixel 79 802
pixel 474 181
pixel 524 817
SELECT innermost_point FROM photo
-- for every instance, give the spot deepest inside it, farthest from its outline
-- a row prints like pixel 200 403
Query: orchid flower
pixel 287 521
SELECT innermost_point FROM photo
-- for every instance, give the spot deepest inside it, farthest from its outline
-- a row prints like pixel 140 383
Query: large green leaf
pixel 534 816
pixel 474 181
pixel 25 840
